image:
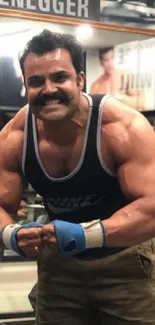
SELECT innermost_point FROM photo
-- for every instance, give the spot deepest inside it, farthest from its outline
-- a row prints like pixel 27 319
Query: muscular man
pixel 113 82
pixel 93 161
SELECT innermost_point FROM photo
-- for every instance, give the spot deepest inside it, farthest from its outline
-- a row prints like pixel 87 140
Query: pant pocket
pixel 146 258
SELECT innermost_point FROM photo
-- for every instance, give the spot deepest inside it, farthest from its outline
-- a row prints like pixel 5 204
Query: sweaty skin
pixel 127 144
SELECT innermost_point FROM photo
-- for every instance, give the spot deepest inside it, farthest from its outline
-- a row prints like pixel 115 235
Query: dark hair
pixel 48 41
pixel 104 50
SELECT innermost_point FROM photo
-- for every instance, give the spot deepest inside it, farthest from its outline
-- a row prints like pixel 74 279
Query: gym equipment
pixel 130 11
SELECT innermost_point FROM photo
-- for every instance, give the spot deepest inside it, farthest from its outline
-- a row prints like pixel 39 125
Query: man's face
pixel 107 62
pixel 52 85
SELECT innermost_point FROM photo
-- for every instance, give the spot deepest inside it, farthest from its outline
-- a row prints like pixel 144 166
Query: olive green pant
pixel 115 290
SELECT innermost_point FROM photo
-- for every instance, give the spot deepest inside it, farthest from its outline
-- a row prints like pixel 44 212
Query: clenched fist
pixel 29 241
pixel 48 236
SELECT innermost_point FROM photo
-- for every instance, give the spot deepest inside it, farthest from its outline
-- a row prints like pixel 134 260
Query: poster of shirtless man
pixel 126 74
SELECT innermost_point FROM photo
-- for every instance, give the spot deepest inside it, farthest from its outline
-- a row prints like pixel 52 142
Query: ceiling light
pixel 84 32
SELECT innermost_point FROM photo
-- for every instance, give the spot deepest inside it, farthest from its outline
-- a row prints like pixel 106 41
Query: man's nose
pixel 49 87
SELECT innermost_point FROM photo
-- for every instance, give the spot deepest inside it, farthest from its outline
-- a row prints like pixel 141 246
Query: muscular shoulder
pixel 16 123
pixel 11 137
pixel 126 131
pixel 115 111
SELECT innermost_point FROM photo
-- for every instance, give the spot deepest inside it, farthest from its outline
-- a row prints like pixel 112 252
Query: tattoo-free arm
pixel 135 223
pixel 11 186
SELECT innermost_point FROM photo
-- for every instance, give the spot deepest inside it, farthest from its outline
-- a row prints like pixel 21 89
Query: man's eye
pixel 34 83
pixel 60 78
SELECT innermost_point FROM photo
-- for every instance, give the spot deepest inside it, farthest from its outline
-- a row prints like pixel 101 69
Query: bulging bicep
pixel 137 171
pixel 131 140
pixel 11 190
pixel 11 179
pixel 137 179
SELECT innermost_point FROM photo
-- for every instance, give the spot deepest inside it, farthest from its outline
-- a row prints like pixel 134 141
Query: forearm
pixel 5 218
pixel 131 225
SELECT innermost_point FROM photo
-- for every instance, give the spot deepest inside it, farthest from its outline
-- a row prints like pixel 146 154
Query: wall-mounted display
pixel 128 73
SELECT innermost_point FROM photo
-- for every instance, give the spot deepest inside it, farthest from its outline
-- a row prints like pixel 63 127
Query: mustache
pixel 43 98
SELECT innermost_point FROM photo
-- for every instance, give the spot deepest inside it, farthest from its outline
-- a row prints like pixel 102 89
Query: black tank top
pixel 90 191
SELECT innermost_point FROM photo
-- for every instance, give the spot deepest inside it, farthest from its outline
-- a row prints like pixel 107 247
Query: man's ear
pixel 81 80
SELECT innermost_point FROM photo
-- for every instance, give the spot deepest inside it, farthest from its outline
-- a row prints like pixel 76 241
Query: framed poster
pixel 125 73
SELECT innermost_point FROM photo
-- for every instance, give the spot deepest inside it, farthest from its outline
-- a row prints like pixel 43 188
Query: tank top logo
pixel 72 203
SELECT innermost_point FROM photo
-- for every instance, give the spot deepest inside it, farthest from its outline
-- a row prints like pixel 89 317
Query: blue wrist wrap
pixel 13 238
pixel 70 238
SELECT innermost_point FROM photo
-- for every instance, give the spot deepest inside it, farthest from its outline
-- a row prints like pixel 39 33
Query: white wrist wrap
pixel 6 234
pixel 94 235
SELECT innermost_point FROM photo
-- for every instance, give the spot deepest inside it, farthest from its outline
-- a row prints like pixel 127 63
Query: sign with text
pixel 81 9
pixel 130 13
